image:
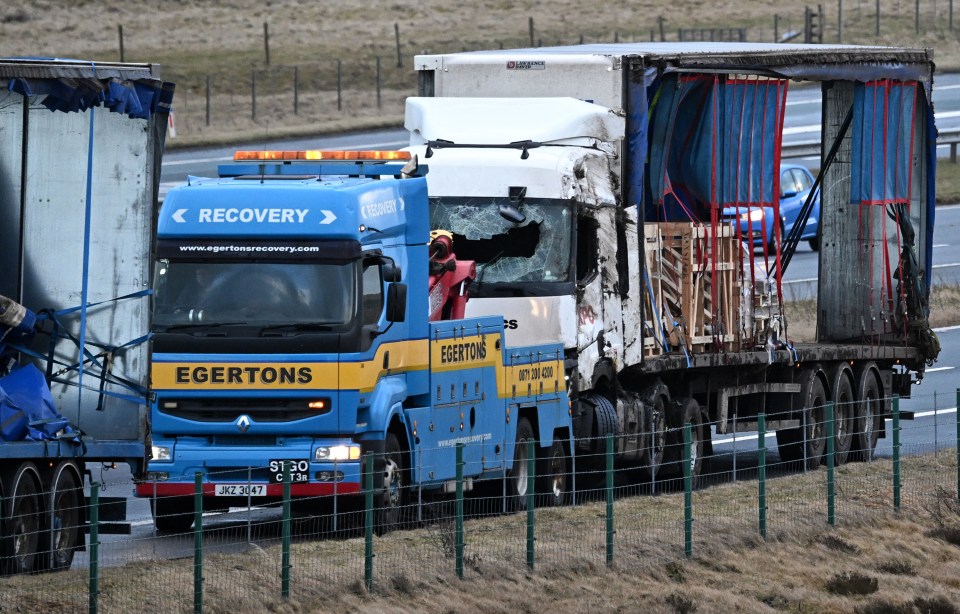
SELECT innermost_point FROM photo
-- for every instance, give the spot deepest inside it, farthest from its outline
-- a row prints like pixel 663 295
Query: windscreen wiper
pixel 172 327
pixel 320 326
pixel 523 146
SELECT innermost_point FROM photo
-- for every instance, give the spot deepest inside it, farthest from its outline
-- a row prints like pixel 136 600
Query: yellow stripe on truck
pixel 362 376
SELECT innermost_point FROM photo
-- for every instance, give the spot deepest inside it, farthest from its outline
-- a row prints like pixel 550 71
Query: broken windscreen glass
pixel 535 250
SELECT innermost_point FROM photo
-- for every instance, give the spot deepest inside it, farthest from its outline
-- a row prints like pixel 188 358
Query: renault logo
pixel 243 424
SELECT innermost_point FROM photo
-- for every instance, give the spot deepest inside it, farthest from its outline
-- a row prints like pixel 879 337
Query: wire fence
pixel 590 509
pixel 260 96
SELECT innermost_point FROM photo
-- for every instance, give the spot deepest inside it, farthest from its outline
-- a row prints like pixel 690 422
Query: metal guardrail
pixel 802 149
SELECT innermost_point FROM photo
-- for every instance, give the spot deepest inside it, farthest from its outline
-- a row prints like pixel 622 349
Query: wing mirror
pixel 396 302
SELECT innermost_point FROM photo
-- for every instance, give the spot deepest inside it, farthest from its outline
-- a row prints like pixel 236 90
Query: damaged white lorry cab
pixel 593 187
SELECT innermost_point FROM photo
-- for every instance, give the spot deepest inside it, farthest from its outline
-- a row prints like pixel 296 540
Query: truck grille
pixel 245 440
pixel 238 474
pixel 228 410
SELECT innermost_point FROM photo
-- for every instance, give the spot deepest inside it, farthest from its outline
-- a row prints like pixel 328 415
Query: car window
pixel 788 183
pixel 803 180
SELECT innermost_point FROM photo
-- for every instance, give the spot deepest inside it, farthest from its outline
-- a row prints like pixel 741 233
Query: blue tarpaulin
pixel 882 132
pixel 27 412
pixel 137 99
pixel 714 142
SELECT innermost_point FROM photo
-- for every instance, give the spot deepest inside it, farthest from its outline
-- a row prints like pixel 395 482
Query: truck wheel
pixel 868 417
pixel 517 478
pixel 843 423
pixel 59 537
pixel 391 500
pixel 688 410
pixel 172 514
pixel 790 441
pixel 552 476
pixel 657 401
pixel 21 531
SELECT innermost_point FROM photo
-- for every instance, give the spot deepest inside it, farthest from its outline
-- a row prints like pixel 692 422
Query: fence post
pixel 208 100
pixel 687 493
pixel 266 43
pixel 120 36
pixel 916 25
pixel 339 84
pixel 762 473
pixel 198 542
pixel 458 539
pixel 530 22
pixel 296 97
pixel 378 81
pixel 253 95
pixel 368 521
pixel 877 33
pixel 609 493
pixel 531 475
pixel 94 590
pixel 840 21
pixel 831 461
pixel 957 443
pixel 573 471
pixel 896 453
pixel 396 33
pixel 660 22
pixel 285 535
pixel 776 28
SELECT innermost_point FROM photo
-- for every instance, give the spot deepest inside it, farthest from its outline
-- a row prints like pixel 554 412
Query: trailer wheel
pixel 517 478
pixel 393 492
pixel 843 416
pixel 868 417
pixel 63 520
pixel 172 514
pixel 790 441
pixel 21 531
pixel 552 476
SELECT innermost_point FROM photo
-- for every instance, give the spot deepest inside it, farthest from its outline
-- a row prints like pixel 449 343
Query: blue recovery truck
pixel 294 321
pixel 80 149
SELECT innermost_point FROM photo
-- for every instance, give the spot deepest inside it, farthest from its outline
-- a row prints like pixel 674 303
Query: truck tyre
pixel 656 400
pixel 843 412
pixel 391 499
pixel 812 399
pixel 23 521
pixel 62 525
pixel 517 478
pixel 552 472
pixel 172 514
pixel 868 417
pixel 688 410
pixel 606 423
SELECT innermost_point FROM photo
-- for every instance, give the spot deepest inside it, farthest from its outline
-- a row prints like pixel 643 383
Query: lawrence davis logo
pixel 242 375
pixel 526 65
pixel 463 352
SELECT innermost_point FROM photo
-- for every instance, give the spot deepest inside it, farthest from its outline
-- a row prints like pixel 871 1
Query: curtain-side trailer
pixel 612 196
pixel 80 149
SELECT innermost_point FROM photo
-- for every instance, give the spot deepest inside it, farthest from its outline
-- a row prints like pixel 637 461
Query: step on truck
pixel 81 147
pixel 625 201
pixel 304 317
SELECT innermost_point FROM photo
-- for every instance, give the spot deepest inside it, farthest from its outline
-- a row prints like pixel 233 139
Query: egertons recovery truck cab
pixel 292 323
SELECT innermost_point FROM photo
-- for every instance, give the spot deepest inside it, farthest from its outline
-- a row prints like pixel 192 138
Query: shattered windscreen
pixel 538 249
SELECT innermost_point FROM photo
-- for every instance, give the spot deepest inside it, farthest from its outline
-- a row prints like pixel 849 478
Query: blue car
pixel 795 185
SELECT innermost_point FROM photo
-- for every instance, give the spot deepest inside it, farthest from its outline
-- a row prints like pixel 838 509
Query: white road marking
pixel 935 369
pixel 945 329
pixel 945 264
pixel 918 414
pixel 940 88
pixel 800 281
pixel 942 245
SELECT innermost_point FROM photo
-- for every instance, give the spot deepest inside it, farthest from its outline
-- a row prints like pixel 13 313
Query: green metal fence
pixel 301 548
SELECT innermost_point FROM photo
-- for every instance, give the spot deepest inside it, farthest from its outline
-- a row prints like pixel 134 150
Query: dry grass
pixel 803 565
pixel 225 40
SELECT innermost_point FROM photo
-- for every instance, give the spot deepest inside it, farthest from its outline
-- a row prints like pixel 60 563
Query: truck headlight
pixel 161 453
pixel 753 215
pixel 337 453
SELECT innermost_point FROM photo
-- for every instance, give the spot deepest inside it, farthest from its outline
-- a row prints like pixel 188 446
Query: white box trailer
pixel 666 311
pixel 80 151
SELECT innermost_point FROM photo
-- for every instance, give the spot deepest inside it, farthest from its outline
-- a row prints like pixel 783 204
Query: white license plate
pixel 241 490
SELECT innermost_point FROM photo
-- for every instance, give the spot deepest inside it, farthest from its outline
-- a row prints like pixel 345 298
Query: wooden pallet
pixel 693 296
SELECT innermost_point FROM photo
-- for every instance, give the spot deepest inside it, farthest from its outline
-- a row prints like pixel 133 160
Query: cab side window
pixel 372 295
